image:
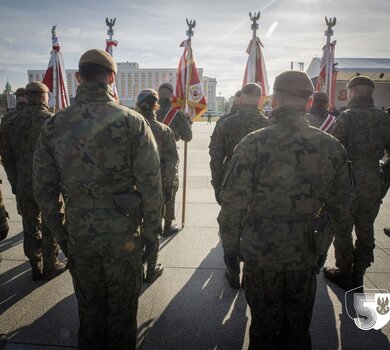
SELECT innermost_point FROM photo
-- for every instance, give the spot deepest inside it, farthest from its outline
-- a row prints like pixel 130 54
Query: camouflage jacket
pixel 365 133
pixel 5 120
pixel 21 133
pixel 167 150
pixel 316 118
pixel 181 125
pixel 88 152
pixel 277 179
pixel 228 134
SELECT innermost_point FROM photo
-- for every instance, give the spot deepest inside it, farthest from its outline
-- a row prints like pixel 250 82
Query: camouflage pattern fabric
pixel 365 133
pixel 181 125
pixel 228 134
pixel 278 177
pixel 316 118
pixel 21 133
pixel 88 152
pixel 281 304
pixel 4 228
pixel 169 160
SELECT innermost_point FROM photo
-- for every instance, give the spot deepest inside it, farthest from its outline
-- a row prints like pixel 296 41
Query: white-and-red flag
pixel 55 77
pixel 189 97
pixel 328 61
pixel 255 71
pixel 109 48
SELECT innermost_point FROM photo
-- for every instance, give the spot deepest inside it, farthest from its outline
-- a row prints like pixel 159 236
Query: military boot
pixel 386 230
pixel 54 269
pixel 233 279
pixel 358 279
pixel 341 279
pixel 36 268
pixel 153 272
pixel 169 228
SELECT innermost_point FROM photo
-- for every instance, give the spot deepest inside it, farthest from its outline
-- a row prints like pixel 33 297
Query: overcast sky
pixel 150 31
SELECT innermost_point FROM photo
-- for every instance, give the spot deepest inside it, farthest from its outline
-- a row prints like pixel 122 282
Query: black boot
pixel 53 270
pixel 233 279
pixel 341 279
pixel 36 268
pixel 153 272
pixel 169 228
pixel 386 230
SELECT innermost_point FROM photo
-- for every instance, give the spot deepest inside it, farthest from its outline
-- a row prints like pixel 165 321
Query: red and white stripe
pixel 328 122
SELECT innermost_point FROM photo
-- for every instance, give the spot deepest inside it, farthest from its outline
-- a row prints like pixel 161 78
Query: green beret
pixel 251 89
pixel 36 86
pixel 320 97
pixel 145 94
pixel 294 83
pixel 360 80
pixel 20 92
pixel 166 86
pixel 100 58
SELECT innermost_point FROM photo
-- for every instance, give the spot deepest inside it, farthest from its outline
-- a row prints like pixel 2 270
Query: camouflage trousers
pixel 281 304
pixel 107 285
pixel 360 255
pixel 169 207
pixel 39 242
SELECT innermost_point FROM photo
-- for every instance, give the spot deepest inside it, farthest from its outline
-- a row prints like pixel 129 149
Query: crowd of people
pixel 98 181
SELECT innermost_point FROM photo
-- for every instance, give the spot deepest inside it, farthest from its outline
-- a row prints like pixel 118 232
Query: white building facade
pixel 131 80
pixel 209 88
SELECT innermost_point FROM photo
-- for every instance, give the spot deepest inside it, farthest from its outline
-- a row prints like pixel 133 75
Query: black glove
pixel 232 262
pixel 320 263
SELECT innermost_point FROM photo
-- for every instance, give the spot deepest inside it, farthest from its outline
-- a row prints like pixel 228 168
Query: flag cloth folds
pixel 55 77
pixel 109 49
pixel 328 61
pixel 189 97
pixel 255 71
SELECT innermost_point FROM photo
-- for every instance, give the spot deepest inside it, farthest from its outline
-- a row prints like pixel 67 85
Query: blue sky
pixel 150 31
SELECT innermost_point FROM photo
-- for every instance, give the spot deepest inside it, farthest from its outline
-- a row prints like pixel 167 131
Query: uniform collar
pixel 288 115
pixel 165 102
pixel 361 101
pixel 149 115
pixel 95 92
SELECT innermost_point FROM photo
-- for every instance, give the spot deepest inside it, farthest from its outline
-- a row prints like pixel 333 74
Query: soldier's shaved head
pixel 251 94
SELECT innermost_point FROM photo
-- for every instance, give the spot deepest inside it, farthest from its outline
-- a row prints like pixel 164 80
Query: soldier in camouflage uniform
pixel 169 161
pixel 277 179
pixel 20 104
pixel 318 115
pixel 22 132
pixel 230 132
pixel 365 133
pixel 94 153
pixel 181 126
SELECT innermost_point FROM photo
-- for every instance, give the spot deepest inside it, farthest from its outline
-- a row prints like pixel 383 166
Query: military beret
pixel 100 58
pixel 320 97
pixel 166 86
pixel 145 94
pixel 360 80
pixel 294 83
pixel 36 86
pixel 20 92
pixel 251 89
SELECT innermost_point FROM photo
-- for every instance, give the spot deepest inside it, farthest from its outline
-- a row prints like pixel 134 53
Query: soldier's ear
pixel 77 75
pixel 111 78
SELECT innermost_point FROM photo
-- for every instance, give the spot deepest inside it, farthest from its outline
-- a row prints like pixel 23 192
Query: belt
pixel 297 217
pixel 90 203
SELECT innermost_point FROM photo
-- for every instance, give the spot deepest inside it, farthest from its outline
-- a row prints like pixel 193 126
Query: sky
pixel 149 32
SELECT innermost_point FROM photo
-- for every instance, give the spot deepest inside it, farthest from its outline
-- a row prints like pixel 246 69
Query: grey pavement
pixel 191 306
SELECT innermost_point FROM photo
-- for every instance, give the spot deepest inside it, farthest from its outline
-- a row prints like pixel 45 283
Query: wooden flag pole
pixel 191 24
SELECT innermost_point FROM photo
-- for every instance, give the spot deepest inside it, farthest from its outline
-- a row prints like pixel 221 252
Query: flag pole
pixel 328 69
pixel 54 42
pixel 191 24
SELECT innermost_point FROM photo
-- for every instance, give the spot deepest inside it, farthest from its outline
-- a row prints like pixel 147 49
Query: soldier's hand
pixel 320 263
pixel 150 248
pixel 217 198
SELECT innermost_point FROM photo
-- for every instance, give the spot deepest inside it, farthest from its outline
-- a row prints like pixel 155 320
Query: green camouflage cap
pixel 360 80
pixel 100 58
pixel 166 86
pixel 36 86
pixel 145 94
pixel 320 97
pixel 294 83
